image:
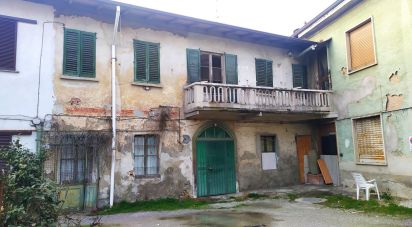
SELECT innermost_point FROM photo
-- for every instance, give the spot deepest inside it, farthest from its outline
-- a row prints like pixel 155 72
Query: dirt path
pixel 273 212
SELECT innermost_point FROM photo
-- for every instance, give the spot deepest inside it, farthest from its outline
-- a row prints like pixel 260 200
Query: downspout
pixel 116 24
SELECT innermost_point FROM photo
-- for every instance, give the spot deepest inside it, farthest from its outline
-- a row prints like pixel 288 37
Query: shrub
pixel 29 198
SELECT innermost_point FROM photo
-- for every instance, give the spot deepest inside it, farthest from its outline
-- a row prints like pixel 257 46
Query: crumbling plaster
pixel 381 89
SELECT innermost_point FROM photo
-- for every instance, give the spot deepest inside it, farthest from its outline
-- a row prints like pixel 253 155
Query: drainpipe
pixel 116 24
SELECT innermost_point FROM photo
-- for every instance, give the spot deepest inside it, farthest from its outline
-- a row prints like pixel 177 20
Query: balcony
pixel 232 102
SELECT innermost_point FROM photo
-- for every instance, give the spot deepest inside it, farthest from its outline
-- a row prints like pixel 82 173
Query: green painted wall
pixel 365 92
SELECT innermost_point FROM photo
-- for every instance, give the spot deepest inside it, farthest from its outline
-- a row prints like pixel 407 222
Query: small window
pixel 299 74
pixel 146 155
pixel 264 73
pixel 268 151
pixel 8 44
pixel 361 46
pixel 369 141
pixel 79 53
pixel 146 62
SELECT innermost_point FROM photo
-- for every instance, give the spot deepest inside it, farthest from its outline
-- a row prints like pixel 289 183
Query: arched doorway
pixel 215 162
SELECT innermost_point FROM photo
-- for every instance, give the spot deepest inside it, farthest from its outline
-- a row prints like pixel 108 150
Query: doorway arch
pixel 215 161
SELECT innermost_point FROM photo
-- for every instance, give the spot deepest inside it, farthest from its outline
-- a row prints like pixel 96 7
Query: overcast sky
pixel 275 16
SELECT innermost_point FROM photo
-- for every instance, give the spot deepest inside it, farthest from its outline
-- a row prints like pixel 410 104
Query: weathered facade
pixel 202 108
pixel 368 49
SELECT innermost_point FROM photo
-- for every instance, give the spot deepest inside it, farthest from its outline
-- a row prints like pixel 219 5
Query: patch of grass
pixel 292 197
pixel 371 206
pixel 256 196
pixel 387 196
pixel 155 205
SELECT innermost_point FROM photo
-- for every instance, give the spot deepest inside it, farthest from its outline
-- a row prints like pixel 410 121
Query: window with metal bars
pixel 146 62
pixel 76 162
pixel 146 155
pixel 369 141
pixel 8 44
pixel 264 73
pixel 79 53
pixel 361 46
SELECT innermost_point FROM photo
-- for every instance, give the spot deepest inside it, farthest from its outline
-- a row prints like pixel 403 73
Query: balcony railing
pixel 209 96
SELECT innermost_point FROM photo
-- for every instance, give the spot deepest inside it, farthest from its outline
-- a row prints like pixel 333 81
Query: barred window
pixel 146 155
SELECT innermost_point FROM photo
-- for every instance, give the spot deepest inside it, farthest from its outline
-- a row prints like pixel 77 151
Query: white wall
pixel 19 89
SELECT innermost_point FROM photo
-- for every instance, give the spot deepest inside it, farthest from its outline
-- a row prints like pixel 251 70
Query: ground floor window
pixel 268 152
pixel 368 139
pixel 146 155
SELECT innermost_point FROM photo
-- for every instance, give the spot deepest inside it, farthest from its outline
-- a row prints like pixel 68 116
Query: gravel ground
pixel 257 213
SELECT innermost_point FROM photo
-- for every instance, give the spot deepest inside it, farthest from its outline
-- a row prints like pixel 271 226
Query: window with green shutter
pixel 211 67
pixel 264 72
pixel 146 62
pixel 79 53
pixel 300 79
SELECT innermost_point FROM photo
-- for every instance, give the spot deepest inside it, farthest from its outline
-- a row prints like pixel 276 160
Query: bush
pixel 29 198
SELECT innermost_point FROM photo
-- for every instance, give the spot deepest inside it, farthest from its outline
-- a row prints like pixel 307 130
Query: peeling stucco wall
pixel 86 105
pixel 380 89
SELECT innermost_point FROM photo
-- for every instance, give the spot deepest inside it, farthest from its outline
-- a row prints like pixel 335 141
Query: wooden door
pixel 303 147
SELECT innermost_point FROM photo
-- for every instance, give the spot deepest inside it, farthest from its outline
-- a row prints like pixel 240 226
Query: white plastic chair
pixel 361 183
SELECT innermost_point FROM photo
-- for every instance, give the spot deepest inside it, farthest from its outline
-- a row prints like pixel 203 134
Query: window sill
pixel 371 164
pixel 148 176
pixel 360 69
pixel 78 78
pixel 148 85
pixel 8 71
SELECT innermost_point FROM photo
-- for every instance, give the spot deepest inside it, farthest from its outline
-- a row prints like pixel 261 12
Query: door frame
pixel 300 176
pixel 194 149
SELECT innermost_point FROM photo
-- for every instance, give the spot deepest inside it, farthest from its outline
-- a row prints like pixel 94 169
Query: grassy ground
pixel 386 206
pixel 155 205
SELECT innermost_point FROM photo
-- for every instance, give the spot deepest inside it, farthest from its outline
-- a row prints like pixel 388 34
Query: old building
pixel 368 48
pixel 202 108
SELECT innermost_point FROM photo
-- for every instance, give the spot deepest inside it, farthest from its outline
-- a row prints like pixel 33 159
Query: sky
pixel 274 16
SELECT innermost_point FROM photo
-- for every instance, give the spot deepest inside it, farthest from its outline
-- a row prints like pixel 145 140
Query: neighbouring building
pixel 26 71
pixel 203 108
pixel 368 45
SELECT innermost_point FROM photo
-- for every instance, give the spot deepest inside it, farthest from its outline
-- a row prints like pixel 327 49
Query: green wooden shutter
pixel 140 61
pixel 87 54
pixel 193 65
pixel 299 76
pixel 269 74
pixel 260 72
pixel 153 63
pixel 71 52
pixel 231 69
pixel 8 39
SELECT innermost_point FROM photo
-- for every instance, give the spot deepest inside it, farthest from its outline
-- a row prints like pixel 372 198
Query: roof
pixel 327 16
pixel 137 17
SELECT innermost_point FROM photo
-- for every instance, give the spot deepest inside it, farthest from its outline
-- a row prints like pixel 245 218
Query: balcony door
pixel 211 67
pixel 215 162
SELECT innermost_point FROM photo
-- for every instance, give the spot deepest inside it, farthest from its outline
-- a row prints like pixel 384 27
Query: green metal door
pixel 215 162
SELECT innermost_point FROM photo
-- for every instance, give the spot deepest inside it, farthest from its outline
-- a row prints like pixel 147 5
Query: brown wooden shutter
pixel 369 141
pixel 362 52
pixel 8 41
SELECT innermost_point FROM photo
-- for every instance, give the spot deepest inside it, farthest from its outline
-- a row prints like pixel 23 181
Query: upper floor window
pixel 361 46
pixel 8 44
pixel 146 62
pixel 79 53
pixel 211 67
pixel 300 79
pixel 264 72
